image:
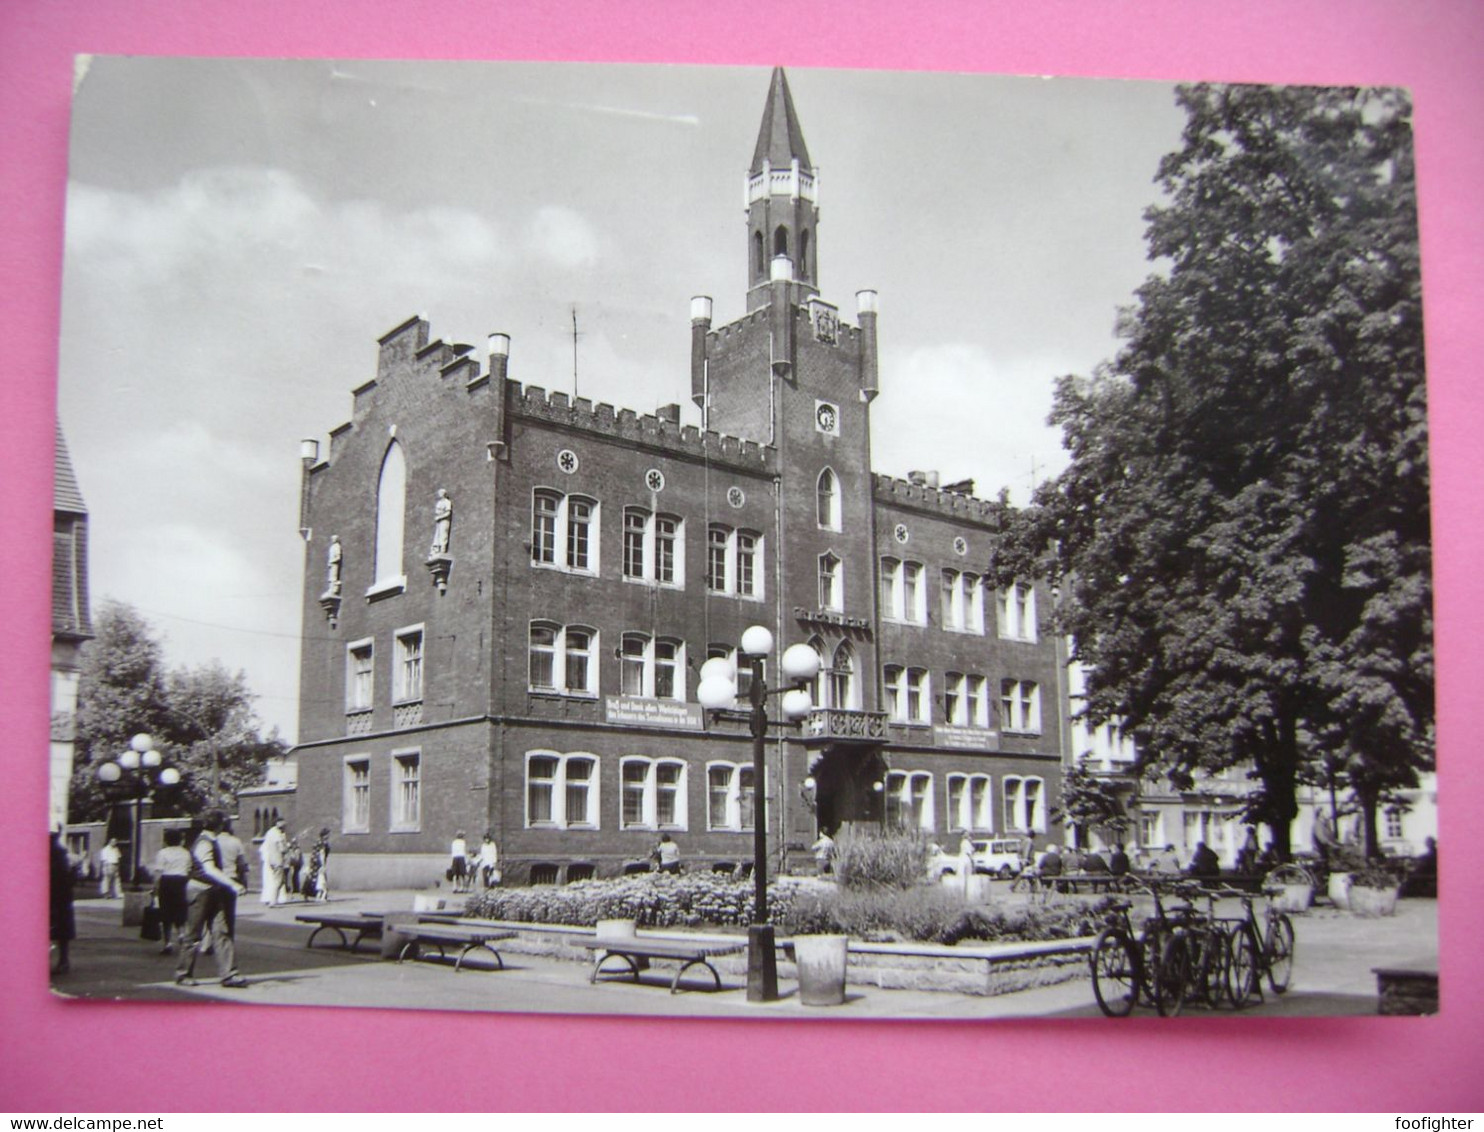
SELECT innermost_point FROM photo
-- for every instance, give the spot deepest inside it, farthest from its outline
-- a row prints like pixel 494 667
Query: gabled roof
pixel 66 495
pixel 780 139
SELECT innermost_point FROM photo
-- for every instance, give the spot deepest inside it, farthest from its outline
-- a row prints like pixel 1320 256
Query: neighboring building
pixel 1211 810
pixel 72 623
pixel 508 594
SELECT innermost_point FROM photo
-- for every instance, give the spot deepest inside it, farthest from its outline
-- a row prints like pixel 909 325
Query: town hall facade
pixel 508 594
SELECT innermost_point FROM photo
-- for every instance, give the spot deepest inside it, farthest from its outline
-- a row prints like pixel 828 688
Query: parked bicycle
pixel 1260 950
pixel 1128 965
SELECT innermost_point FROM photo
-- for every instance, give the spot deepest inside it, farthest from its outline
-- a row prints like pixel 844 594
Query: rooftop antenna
pixel 574 351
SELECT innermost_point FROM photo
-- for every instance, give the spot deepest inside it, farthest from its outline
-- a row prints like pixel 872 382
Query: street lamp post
pixel 135 774
pixel 718 692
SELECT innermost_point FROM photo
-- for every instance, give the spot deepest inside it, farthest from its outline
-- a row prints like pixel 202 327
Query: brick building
pixel 72 623
pixel 508 594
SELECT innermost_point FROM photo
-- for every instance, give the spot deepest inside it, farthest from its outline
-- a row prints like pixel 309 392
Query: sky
pixel 240 232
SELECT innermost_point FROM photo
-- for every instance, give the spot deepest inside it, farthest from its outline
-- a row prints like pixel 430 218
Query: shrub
pixel 895 859
pixel 1028 922
pixel 655 900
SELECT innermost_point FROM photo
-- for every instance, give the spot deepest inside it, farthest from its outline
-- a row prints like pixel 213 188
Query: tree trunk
pixel 1369 802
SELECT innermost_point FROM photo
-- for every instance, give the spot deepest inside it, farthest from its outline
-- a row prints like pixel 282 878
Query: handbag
pixel 150 927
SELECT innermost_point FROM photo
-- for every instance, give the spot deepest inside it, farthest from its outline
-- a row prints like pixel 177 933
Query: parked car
pixel 998 857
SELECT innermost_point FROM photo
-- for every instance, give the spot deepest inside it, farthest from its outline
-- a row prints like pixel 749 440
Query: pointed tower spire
pixel 782 204
pixel 780 139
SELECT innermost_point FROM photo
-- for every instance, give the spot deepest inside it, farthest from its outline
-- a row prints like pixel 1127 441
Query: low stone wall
pixel 974 970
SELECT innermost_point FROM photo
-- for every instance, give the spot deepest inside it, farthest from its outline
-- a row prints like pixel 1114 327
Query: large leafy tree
pixel 1243 532
pixel 201 718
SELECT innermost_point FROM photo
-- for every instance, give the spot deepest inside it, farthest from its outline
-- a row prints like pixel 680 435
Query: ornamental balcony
pixel 838 725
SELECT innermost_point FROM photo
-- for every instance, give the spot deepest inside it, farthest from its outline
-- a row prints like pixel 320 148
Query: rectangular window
pixel 410 665
pixel 896 783
pixel 666 656
pixel 579 778
pixel 957 802
pixel 667 793
pixel 896 702
pixel 635 781
pixel 972 592
pixel 976 705
pixel 717 540
pixel 1018 612
pixel 1393 822
pixel 579 661
pixel 360 676
pixel 666 536
pixel 543 656
pixel 919 696
pixel 746 564
pixel 719 796
pixel 920 799
pixel 631 665
pixel 914 597
pixel 407 792
pixel 541 774
pixel 1150 833
pixel 891 592
pixel 544 527
pixel 357 810
pixel 746 798
pixel 830 589
pixel 950 613
pixel 980 810
pixel 634 529
pixel 579 524
pixel 953 699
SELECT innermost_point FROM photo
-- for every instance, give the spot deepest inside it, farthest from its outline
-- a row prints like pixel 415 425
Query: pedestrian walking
pixel 63 922
pixel 172 867
pixel 488 861
pixel 211 896
pixel 271 854
pixel 317 887
pixel 458 862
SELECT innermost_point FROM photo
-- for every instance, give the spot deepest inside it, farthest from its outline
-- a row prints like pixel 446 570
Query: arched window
pixel 760 265
pixel 842 679
pixel 780 240
pixel 827 500
pixel 391 511
pixel 804 254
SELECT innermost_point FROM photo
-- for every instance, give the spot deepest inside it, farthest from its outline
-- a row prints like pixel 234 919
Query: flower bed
pixel 925 913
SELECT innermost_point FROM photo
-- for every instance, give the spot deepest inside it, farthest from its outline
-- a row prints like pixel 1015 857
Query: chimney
pixel 865 302
pixel 700 326
pixel 499 350
pixel 670 413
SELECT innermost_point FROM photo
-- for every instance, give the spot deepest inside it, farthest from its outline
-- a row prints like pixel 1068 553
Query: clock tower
pixel 794 375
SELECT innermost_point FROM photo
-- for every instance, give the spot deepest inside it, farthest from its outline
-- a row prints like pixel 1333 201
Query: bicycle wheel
pixel 1214 955
pixel 1115 973
pixel 1279 953
pixel 1241 967
pixel 1172 976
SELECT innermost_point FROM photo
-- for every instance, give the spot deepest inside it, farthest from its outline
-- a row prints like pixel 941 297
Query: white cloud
pixel 562 237
pixel 955 409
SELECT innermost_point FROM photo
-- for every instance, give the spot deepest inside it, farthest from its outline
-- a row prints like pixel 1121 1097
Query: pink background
pixel 58 1057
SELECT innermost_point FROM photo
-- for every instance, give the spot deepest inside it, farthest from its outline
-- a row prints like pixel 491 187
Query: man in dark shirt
pixel 1118 862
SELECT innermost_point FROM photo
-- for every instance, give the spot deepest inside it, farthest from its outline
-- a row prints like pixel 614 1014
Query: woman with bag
pixel 171 868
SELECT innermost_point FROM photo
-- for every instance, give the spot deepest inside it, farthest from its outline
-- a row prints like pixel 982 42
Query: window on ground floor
pixel 561 790
pixel 653 793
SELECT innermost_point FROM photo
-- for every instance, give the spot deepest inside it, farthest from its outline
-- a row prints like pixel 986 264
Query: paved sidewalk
pixel 1335 954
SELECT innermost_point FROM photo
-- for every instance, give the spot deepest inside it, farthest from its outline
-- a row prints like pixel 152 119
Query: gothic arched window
pixel 780 240
pixel 760 265
pixel 391 511
pixel 804 254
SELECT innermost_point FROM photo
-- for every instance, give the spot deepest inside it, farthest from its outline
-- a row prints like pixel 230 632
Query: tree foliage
pixel 1088 803
pixel 197 717
pixel 1244 527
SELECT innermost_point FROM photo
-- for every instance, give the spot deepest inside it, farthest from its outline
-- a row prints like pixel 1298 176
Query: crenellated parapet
pixel 660 432
pixel 891 491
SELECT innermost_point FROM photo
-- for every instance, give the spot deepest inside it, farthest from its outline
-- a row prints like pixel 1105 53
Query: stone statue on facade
pixel 442 523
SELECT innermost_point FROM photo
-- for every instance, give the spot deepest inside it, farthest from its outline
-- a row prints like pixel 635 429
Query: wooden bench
pixel 440 932
pixel 637 952
pixel 1407 990
pixel 366 925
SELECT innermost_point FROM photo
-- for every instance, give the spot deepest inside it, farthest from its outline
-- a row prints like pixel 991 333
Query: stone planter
pixel 1371 902
pixel 1298 889
pixel 1339 890
pixel 821 964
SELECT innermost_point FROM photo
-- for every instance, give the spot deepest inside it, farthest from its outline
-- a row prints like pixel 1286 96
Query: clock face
pixel 827 417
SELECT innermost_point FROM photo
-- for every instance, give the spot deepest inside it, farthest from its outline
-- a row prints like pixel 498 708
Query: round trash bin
pixel 821 964
pixel 392 940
